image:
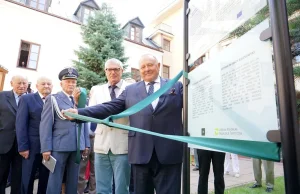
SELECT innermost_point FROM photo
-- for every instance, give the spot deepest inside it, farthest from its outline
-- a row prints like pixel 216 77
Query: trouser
pixel 269 171
pixel 82 169
pixel 11 158
pixel 217 159
pixel 234 162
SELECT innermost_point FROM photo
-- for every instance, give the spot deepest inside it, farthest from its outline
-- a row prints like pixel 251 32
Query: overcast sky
pixel 126 10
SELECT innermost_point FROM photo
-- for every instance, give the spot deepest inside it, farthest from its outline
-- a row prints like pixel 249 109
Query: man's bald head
pixel 19 84
pixel 149 67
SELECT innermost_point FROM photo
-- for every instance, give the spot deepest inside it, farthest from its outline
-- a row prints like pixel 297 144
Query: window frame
pixel 46 5
pixel 167 66
pixel 163 44
pixel 82 14
pixel 132 75
pixel 135 37
pixel 28 58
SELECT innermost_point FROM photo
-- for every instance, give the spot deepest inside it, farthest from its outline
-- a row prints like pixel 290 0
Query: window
pixel 135 33
pixel 38 4
pixel 28 55
pixel 86 14
pixel 135 74
pixel 166 72
pixel 198 62
pixel 166 45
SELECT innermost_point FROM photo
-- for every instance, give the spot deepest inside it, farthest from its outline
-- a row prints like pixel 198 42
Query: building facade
pixel 39 38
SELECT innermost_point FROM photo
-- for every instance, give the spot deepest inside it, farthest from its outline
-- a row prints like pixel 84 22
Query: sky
pixel 126 10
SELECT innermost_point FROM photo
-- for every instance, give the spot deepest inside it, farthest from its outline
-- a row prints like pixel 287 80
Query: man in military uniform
pixel 59 137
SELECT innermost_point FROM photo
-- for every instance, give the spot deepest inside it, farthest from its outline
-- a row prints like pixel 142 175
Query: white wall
pixel 58 39
pixel 134 51
pixel 174 58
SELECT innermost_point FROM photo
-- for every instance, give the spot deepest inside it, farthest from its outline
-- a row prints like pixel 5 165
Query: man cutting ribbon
pixel 152 158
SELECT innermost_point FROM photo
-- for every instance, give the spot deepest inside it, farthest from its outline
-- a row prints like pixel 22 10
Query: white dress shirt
pixel 156 87
pixel 42 97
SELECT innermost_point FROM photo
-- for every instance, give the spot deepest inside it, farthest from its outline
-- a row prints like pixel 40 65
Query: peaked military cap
pixel 68 73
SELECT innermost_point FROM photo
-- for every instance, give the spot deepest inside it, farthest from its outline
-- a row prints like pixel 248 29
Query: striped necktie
pixel 151 88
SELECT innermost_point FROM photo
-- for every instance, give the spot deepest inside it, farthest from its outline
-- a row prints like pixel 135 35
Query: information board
pixel 232 96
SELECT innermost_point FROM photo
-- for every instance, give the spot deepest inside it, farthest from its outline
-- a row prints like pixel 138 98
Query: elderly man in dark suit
pixel 28 136
pixel 8 143
pixel 156 162
pixel 59 137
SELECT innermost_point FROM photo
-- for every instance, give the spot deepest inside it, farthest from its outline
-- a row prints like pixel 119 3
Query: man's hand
pixel 76 95
pixel 86 151
pixel 25 154
pixel 46 155
pixel 75 111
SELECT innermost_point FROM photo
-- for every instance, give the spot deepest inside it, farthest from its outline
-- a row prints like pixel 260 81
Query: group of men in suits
pixel 30 126
pixel 155 162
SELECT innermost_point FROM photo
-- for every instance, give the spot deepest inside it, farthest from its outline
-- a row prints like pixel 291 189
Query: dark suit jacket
pixel 8 109
pixel 28 122
pixel 165 119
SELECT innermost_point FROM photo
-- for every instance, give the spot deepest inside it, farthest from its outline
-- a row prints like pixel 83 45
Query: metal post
pixel 186 151
pixel 287 98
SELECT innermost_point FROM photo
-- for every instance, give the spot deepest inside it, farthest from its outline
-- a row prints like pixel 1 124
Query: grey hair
pixel 148 55
pixel 42 78
pixel 115 61
pixel 18 77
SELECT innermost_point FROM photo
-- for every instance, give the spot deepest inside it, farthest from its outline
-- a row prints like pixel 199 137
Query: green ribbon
pixel 255 149
pixel 81 104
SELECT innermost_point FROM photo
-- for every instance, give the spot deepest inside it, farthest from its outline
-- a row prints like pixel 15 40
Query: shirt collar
pixel 41 95
pixel 67 94
pixel 156 81
pixel 119 84
pixel 15 95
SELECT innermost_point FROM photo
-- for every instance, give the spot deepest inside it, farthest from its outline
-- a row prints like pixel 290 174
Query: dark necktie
pixel 72 99
pixel 112 92
pixel 43 99
pixel 151 88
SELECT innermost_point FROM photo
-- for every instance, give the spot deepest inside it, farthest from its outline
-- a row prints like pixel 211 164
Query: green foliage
pixel 279 188
pixel 293 6
pixel 103 39
pixel 297 71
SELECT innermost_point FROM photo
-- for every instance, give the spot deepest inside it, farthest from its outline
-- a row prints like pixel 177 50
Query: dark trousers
pixel 13 158
pixel 217 159
pixel 29 167
pixel 164 178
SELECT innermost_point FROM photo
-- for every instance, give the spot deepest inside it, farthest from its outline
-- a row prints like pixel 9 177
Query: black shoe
pixel 86 190
pixel 7 184
pixel 269 190
pixel 195 169
pixel 255 186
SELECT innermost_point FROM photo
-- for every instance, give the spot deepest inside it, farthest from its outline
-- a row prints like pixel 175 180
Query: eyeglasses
pixel 113 69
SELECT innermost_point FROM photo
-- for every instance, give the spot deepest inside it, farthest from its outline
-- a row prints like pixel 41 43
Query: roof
pixel 88 3
pixel 136 21
pixel 146 43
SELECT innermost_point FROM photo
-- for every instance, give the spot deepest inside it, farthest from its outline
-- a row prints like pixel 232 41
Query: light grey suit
pixel 60 137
